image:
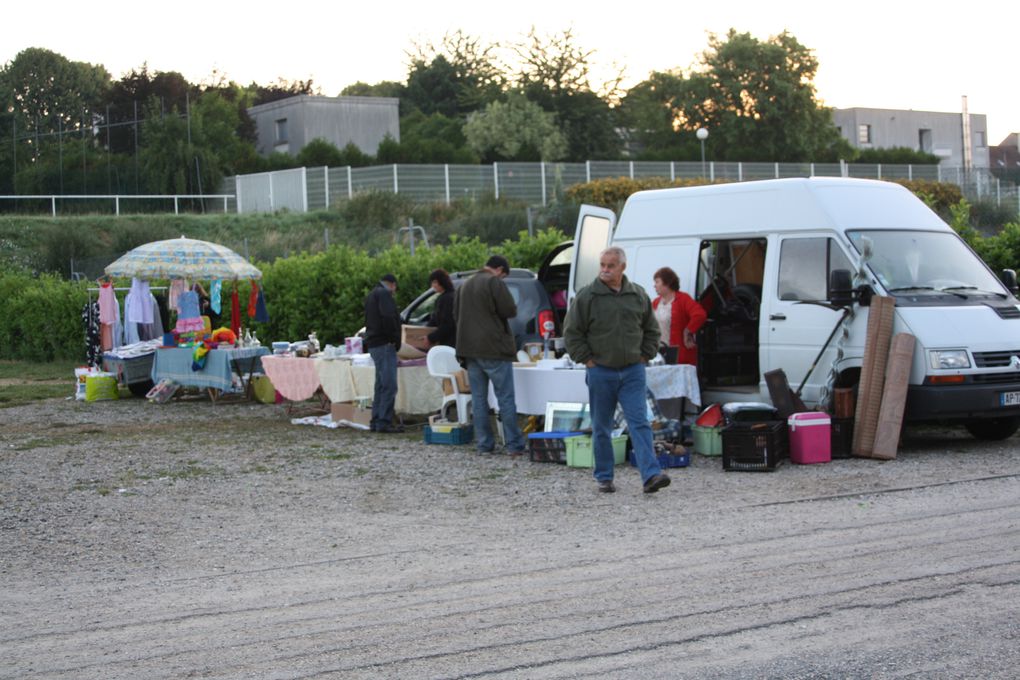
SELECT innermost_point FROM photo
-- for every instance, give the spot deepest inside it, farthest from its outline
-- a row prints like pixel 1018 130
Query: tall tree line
pixel 69 127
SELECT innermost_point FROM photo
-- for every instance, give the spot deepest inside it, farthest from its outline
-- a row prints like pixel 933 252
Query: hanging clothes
pixel 137 304
pixel 261 313
pixel 137 332
pixel 189 316
pixel 214 295
pixel 90 322
pixel 107 303
pixel 111 335
pixel 177 286
pixel 253 299
pixel 235 312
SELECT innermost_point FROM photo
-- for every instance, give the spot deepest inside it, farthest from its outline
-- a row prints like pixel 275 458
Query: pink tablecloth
pixel 293 377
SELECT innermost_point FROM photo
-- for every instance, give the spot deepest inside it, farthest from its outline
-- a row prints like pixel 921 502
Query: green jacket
pixel 482 307
pixel 611 329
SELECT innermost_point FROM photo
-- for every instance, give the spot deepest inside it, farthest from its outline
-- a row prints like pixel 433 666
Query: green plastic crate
pixel 707 440
pixel 581 451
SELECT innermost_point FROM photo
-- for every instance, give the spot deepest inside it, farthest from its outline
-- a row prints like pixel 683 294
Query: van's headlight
pixel 949 358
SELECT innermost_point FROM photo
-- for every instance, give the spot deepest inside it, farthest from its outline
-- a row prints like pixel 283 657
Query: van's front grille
pixel 996 378
pixel 994 359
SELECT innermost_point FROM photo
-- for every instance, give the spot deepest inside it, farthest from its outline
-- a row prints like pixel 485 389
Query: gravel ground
pixel 200 540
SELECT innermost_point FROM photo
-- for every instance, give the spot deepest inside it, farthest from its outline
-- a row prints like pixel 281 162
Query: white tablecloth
pixel 417 391
pixel 535 387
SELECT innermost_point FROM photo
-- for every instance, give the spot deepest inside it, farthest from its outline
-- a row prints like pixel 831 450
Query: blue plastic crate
pixel 667 460
pixel 457 434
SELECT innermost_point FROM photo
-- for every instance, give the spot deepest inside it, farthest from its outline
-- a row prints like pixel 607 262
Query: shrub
pixel 612 193
pixel 940 196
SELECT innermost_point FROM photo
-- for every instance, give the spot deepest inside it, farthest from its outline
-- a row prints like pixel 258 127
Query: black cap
pixel 498 262
pixel 389 278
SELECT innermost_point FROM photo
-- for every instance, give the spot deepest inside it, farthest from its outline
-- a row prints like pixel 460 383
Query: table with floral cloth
pixel 535 387
pixel 417 391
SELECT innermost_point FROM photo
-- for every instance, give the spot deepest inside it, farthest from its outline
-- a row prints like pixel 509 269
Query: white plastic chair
pixel 442 363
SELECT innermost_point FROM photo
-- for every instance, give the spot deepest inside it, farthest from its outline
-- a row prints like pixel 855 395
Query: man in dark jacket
pixel 610 328
pixel 382 338
pixel 483 307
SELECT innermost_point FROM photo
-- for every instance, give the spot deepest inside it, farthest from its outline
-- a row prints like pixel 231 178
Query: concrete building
pixel 941 134
pixel 1005 158
pixel 287 125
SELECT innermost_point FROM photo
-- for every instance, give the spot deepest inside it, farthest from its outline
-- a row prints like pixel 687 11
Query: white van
pixel 773 261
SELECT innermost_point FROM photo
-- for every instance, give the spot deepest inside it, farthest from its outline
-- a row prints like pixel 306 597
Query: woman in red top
pixel 678 314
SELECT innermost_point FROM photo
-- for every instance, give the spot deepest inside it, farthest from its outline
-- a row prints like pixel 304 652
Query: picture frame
pixel 565 416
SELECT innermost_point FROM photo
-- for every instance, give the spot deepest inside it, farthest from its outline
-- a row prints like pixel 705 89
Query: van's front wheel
pixel 993 429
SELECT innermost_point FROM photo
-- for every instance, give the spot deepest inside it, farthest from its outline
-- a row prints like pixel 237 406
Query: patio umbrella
pixel 180 258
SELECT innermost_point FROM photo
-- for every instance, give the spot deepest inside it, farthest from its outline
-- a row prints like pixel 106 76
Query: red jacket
pixel 685 313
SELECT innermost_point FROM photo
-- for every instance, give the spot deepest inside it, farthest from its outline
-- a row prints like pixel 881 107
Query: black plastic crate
pixel 842 437
pixel 549 447
pixel 754 447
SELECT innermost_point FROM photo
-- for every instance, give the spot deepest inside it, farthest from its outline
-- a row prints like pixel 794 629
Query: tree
pixel 384 88
pixel 49 92
pixel 458 76
pixel 757 99
pixel 319 152
pixel 51 105
pixel 515 130
pixel 128 97
pixel 281 89
pixel 556 74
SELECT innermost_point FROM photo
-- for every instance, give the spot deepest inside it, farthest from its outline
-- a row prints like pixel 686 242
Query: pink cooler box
pixel 810 439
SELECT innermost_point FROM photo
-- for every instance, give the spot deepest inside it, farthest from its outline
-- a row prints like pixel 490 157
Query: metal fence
pixel 306 189
pixel 540 183
pixel 116 204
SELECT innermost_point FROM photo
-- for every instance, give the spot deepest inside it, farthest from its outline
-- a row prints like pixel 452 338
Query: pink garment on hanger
pixel 107 303
pixel 177 286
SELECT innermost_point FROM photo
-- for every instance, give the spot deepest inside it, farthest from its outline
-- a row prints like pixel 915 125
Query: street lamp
pixel 702 135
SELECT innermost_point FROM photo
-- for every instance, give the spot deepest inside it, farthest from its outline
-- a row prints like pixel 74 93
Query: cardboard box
pixel 414 335
pixel 349 411
pixel 462 383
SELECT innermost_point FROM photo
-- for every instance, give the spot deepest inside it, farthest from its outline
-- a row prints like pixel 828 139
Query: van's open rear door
pixel 594 231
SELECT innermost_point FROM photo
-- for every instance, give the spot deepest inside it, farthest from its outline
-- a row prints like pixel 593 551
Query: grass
pixel 23 382
pixel 30 372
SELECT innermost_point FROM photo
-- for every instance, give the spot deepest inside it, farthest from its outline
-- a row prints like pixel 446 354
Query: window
pixel 864 134
pixel 924 141
pixel 805 265
pixel 281 131
pixel 979 138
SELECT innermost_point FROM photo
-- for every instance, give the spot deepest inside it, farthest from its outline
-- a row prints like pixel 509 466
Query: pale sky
pixel 873 54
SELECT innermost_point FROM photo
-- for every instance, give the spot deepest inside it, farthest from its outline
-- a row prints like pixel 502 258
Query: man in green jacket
pixel 610 328
pixel 482 308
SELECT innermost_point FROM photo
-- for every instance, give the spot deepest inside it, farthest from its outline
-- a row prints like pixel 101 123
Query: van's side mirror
pixel 841 288
pixel 1008 277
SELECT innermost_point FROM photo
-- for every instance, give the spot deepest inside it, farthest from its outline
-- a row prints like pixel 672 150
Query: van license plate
pixel 1009 399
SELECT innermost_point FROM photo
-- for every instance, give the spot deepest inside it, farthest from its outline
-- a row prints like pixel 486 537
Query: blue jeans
pixel 385 359
pixel 606 387
pixel 501 373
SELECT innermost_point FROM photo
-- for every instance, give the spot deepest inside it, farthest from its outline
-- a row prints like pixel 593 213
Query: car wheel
pixel 993 429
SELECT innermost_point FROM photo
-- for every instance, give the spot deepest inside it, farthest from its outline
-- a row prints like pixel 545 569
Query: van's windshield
pixel 918 263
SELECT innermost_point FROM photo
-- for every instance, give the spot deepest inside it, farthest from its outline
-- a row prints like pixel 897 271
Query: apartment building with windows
pixel 287 125
pixel 946 135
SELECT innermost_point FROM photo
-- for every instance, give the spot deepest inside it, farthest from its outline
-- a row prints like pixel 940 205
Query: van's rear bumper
pixel 942 403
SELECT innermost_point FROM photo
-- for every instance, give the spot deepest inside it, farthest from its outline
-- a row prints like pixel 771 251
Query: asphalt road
pixel 335 554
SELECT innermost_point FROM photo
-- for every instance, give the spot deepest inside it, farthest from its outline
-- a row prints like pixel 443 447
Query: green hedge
pixel 40 318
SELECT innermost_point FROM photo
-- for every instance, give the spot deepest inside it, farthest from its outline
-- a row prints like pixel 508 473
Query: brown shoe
pixel 607 486
pixel 656 482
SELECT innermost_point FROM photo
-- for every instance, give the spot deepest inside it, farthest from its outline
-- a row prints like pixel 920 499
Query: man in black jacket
pixel 382 338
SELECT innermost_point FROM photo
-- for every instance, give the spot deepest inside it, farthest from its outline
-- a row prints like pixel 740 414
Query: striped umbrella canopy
pixel 180 258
